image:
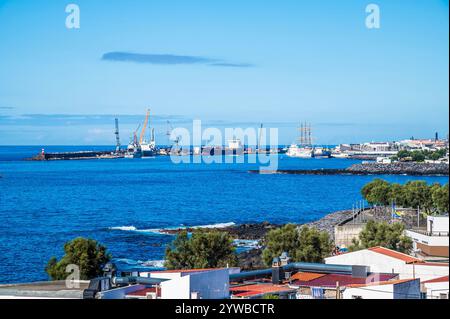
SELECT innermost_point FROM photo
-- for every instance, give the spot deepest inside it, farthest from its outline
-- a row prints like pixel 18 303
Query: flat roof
pixel 43 289
pixel 183 271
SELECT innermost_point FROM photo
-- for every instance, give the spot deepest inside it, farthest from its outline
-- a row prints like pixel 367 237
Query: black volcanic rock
pixel 400 168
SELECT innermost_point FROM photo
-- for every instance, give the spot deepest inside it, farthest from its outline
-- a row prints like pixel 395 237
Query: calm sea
pixel 123 202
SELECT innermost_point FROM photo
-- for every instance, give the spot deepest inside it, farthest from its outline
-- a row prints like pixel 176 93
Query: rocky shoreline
pixel 400 168
pixel 252 258
pixel 403 168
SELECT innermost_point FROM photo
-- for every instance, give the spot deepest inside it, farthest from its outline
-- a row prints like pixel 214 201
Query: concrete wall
pixel 385 264
pixel 429 245
pixel 426 272
pixel 370 292
pixel 440 224
pixel 343 235
pixel 213 284
pixel 435 289
pixel 177 288
pixel 404 290
pixel 376 262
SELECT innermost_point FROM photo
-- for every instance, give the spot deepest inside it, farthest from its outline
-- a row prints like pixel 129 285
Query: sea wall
pixel 400 168
pixel 408 168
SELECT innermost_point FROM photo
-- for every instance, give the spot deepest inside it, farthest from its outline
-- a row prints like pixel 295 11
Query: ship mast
pixel 305 134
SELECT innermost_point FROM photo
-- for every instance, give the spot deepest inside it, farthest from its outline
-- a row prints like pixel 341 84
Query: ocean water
pixel 123 203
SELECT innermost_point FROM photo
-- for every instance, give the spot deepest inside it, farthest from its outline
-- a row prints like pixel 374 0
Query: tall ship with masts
pixel 305 148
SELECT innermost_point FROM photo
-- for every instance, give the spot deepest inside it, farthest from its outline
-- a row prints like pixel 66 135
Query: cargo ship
pixel 140 147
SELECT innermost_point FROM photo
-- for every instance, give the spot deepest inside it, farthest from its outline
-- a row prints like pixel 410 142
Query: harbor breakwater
pixel 399 168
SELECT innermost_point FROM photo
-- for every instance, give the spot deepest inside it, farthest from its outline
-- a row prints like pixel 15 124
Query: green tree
pixel 87 254
pixel 383 234
pixel 403 154
pixel 418 194
pixel 377 192
pixel 418 156
pixel 204 249
pixel 304 244
pixel 397 194
pixel 440 198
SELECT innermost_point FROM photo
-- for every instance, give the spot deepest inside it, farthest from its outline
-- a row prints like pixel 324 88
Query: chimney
pixel 284 259
pixel 276 271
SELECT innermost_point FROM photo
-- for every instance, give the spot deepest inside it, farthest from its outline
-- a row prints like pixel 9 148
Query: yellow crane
pixel 144 127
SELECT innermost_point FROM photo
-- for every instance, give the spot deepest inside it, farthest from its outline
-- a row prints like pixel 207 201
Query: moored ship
pixel 138 148
pixel 306 149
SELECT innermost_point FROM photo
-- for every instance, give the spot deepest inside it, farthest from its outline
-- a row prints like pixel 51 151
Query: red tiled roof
pixel 143 292
pixel 440 279
pixel 330 280
pixel 306 276
pixel 395 254
pixel 381 283
pixel 257 289
pixel 426 263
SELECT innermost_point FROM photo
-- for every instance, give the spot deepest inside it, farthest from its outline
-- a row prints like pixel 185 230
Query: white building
pixel 383 260
pixel 234 144
pixel 436 288
pixel 178 284
pixel 194 283
pixel 434 240
pixel 395 289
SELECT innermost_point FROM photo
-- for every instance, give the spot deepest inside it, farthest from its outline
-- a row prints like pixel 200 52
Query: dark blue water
pixel 45 204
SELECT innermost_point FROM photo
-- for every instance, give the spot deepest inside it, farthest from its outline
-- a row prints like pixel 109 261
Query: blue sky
pixel 229 63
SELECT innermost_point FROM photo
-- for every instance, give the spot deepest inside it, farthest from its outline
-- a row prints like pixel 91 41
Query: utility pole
pixel 338 292
pixel 418 216
pixel 259 139
pixel 353 213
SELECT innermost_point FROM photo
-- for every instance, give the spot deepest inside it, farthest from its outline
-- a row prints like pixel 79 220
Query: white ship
pixel 306 149
pixel 302 152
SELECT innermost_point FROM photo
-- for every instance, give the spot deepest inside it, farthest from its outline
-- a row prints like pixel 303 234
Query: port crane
pixel 117 136
pixel 144 127
pixel 134 138
pixel 169 133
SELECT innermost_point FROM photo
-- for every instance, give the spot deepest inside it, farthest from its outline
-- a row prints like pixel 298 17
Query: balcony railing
pixel 430 234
